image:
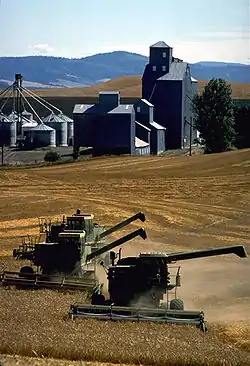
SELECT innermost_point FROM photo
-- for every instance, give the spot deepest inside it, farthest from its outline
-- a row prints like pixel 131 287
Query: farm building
pixel 168 85
pixel 144 112
pixel 108 127
pixel 161 120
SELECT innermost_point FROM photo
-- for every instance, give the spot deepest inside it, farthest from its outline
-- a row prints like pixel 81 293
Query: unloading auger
pixel 141 288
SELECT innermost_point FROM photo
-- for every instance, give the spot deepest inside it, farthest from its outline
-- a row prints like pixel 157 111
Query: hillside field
pixel 130 87
pixel 190 203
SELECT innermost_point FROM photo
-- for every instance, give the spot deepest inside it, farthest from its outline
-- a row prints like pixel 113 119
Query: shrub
pixel 52 156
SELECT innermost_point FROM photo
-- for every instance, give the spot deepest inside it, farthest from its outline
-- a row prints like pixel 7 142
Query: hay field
pixel 130 87
pixel 190 203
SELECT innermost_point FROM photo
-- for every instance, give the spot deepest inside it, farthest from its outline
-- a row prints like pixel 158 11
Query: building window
pixel 138 109
pixel 164 54
pixel 154 68
pixel 164 68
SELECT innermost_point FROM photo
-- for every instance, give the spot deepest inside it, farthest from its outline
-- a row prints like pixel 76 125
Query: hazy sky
pixel 214 30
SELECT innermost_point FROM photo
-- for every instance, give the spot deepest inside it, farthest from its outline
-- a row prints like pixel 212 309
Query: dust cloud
pixel 218 286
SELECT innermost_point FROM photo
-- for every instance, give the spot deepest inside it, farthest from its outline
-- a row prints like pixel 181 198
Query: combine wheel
pixel 176 304
pixel 26 273
pixel 26 269
pixel 98 299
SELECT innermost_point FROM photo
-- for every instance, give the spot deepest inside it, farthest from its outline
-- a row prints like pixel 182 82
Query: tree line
pixel 222 125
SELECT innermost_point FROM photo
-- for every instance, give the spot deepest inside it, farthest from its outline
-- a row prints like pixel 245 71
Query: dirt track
pixel 190 203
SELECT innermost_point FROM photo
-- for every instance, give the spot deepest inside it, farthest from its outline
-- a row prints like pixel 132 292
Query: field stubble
pixel 190 203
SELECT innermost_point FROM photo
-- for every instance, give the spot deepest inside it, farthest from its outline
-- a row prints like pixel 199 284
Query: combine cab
pixel 62 260
pixel 140 288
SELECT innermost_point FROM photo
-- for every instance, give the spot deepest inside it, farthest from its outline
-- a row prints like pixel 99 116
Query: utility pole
pixel 2 153
pixel 190 137
pixel 190 130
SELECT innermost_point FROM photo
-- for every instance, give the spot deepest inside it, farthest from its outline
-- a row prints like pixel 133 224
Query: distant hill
pixel 45 72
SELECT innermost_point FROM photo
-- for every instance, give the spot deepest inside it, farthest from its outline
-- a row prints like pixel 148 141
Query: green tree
pixel 242 127
pixel 214 116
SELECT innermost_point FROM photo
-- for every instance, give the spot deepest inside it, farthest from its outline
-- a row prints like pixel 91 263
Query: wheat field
pixel 189 203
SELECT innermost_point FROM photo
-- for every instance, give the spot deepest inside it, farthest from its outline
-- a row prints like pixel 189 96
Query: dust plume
pixel 218 286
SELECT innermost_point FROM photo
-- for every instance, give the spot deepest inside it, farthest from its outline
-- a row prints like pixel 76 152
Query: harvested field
pixel 190 203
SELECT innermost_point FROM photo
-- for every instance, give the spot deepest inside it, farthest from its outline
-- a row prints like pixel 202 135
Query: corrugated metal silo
pixel 8 132
pixel 60 125
pixel 27 126
pixel 42 136
pixel 70 124
pixel 13 116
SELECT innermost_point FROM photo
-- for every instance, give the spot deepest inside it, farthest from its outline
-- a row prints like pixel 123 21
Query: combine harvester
pixel 61 260
pixel 94 233
pixel 141 288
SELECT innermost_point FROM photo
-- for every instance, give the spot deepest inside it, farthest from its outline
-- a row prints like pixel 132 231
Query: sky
pixel 198 30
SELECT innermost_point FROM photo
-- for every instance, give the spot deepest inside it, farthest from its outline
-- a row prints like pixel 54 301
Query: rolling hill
pixel 42 71
pixel 130 87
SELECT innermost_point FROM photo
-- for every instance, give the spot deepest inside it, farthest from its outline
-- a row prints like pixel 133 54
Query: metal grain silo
pixel 60 125
pixel 7 131
pixel 42 136
pixel 27 126
pixel 70 124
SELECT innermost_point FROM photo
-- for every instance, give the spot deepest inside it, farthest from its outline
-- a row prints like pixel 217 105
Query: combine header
pixel 141 288
pixel 62 261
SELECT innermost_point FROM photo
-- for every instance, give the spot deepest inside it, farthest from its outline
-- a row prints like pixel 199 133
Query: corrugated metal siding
pixel 157 141
pixel 142 132
pixel 156 56
pixel 142 151
pixel 161 141
pixel 188 93
pixel 109 99
pixel 145 114
pixel 105 131
pixel 168 101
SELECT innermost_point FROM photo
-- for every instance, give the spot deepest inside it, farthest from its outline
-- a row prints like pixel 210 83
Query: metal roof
pixel 65 118
pixel 176 72
pixel 160 44
pixel 109 92
pixel 122 108
pixel 194 80
pixel 53 118
pixel 145 127
pixel 42 127
pixel 13 116
pixel 99 109
pixel 81 108
pixel 157 126
pixel 140 143
pixel 4 118
pixel 147 102
pixel 29 123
